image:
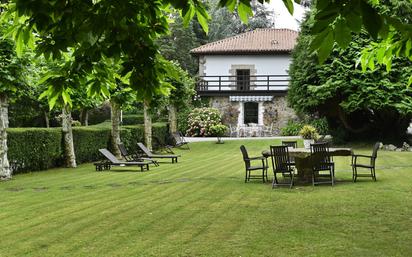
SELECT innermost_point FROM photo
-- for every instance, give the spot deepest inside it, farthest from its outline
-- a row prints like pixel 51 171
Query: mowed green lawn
pixel 202 207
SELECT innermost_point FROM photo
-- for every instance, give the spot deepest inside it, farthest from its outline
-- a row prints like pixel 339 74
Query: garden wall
pixel 32 149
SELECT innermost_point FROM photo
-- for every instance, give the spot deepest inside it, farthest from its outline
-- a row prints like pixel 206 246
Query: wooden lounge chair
pixel 180 140
pixel 147 153
pixel 134 157
pixel 113 161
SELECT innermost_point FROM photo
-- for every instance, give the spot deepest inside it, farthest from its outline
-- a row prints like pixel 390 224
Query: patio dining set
pixel 315 165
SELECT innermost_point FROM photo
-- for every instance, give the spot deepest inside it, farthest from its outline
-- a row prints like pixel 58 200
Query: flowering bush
pixel 201 119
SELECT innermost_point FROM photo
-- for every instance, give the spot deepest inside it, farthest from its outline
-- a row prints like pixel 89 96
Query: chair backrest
pixel 245 156
pixel 106 153
pixel 144 149
pixel 293 144
pixel 280 158
pixel 123 150
pixel 375 153
pixel 322 150
pixel 177 136
pixel 375 149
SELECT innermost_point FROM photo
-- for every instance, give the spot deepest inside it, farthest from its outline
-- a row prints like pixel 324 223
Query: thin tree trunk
pixel 69 154
pixel 172 119
pixel 115 133
pixel 84 116
pixel 46 119
pixel 147 125
pixel 5 171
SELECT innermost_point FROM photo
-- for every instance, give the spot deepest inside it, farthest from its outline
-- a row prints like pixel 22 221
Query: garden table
pixel 305 160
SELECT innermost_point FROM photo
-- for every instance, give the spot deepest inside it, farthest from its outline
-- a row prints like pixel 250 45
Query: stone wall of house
pixel 275 111
pixel 278 112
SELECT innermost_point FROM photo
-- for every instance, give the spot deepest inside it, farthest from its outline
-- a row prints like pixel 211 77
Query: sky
pixel 283 19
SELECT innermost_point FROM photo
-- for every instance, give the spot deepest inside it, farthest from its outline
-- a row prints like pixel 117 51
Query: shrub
pixel 133 119
pixel 182 121
pixel 31 149
pixel 201 119
pixel 88 140
pixel 309 132
pixel 218 130
pixel 292 128
pixel 321 125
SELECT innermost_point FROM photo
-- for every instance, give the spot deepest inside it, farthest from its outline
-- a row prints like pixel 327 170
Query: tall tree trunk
pixel 84 117
pixel 172 119
pixel 46 119
pixel 5 171
pixel 115 133
pixel 69 154
pixel 147 125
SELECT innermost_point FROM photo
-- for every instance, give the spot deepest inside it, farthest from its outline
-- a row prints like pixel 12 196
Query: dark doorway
pixel 251 113
pixel 243 79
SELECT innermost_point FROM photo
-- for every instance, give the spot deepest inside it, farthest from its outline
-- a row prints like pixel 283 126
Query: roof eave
pixel 275 52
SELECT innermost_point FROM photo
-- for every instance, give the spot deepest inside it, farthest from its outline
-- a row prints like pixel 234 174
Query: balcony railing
pixel 242 85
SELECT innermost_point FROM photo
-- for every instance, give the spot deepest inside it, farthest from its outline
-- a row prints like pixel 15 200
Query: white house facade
pixel 246 75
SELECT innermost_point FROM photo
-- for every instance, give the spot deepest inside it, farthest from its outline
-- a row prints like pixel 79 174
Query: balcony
pixel 275 85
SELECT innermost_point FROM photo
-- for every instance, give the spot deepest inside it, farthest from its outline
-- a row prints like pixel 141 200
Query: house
pixel 245 76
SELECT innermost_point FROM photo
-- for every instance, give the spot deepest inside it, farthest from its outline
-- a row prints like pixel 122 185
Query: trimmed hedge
pixel 88 140
pixel 34 148
pixel 31 149
pixel 132 119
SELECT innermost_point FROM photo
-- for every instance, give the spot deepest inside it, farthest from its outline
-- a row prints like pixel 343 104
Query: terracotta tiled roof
pixel 259 41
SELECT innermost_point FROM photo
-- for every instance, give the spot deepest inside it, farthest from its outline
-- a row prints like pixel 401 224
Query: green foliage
pixel 132 119
pixel 182 121
pixel 218 130
pixel 361 102
pixel 201 119
pixel 292 128
pixel 131 135
pixel 387 22
pixel 13 70
pixel 88 140
pixel 32 149
pixel 309 132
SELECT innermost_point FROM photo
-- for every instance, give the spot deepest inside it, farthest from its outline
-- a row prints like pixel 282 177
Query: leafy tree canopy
pixel 374 101
pixel 126 30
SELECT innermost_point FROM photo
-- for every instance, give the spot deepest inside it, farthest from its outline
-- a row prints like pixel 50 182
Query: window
pixel 251 113
pixel 243 79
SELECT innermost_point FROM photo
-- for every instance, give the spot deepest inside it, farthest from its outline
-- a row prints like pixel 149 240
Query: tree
pixel 373 103
pixel 180 96
pixel 13 81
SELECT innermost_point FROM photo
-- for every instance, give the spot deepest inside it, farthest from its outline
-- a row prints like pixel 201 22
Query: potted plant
pixel 309 135
pixel 218 131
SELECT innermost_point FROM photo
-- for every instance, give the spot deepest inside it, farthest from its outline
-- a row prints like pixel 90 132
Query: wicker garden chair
pixel 281 164
pixel 320 152
pixel 371 166
pixel 248 167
